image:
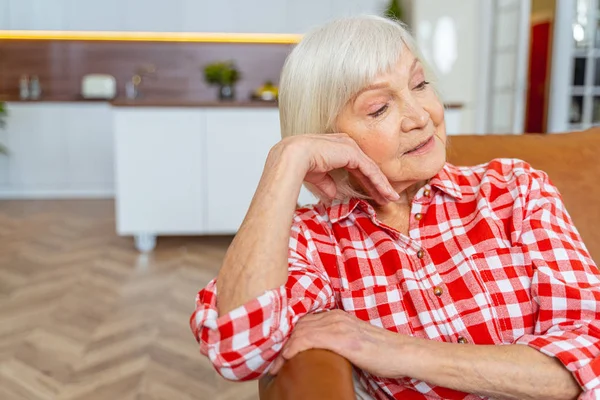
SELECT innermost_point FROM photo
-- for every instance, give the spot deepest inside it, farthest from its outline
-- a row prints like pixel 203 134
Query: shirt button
pixel 426 192
pixel 462 340
pixel 438 291
pixel 418 216
pixel 420 253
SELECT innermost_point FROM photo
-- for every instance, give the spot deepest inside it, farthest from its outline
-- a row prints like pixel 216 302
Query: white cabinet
pixel 188 171
pixel 37 144
pixel 237 144
pixel 89 141
pixel 57 150
pixel 160 171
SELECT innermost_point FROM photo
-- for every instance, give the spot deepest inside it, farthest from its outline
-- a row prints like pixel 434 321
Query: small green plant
pixel 223 73
pixel 394 10
pixel 3 113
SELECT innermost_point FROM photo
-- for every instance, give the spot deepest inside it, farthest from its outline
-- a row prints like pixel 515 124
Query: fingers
pixel 370 187
pixel 326 185
pixel 277 364
pixel 366 171
pixel 313 331
pixel 372 178
pixel 337 150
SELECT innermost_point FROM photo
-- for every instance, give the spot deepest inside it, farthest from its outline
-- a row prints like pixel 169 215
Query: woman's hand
pixel 370 348
pixel 250 268
pixel 317 155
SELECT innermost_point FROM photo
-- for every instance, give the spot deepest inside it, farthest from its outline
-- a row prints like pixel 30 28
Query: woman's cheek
pixel 436 110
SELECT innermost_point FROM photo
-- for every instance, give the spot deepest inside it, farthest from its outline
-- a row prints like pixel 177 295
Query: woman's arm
pixel 272 275
pixel 504 372
pixel 256 261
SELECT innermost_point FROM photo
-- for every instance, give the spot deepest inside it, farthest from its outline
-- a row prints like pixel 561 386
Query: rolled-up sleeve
pixel 565 286
pixel 242 343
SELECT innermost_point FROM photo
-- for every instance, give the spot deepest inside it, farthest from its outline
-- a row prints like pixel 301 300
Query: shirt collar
pixel 340 209
pixel 446 180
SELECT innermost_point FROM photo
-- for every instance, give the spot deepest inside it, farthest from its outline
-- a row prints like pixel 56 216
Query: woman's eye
pixel 422 85
pixel 378 112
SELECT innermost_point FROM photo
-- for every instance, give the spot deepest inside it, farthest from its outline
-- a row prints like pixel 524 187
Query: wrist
pixel 287 160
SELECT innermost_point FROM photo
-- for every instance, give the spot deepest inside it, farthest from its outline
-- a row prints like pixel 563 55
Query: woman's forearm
pixel 505 372
pixel 256 260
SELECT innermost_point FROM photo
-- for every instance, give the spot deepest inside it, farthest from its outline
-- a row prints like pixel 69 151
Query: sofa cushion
pixel 571 160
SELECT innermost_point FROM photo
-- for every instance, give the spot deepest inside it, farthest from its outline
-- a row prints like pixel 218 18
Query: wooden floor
pixel 84 316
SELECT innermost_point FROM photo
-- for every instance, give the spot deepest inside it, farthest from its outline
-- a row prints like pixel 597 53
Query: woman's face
pixel 398 121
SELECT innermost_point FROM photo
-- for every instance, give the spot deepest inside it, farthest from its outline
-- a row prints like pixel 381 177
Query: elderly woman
pixel 443 282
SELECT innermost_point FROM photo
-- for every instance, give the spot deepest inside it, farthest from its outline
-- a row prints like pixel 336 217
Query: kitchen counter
pixel 65 147
pixel 160 102
pixel 166 102
pixel 147 102
pixel 53 99
pixel 169 102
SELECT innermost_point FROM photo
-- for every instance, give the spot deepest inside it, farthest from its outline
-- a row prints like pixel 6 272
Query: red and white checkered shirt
pixel 491 257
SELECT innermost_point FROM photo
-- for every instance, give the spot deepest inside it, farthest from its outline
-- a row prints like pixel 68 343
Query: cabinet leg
pixel 145 242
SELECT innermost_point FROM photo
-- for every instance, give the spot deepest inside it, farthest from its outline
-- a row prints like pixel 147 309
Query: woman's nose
pixel 414 117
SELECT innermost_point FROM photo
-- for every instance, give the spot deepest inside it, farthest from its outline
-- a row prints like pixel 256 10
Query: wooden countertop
pixel 148 102
pixel 158 102
pixel 53 99
pixel 170 102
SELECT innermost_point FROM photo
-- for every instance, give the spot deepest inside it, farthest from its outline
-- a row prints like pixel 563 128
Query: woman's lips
pixel 423 147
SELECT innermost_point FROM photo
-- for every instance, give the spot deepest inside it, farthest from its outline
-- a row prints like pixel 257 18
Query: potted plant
pixel 394 10
pixel 224 74
pixel 3 113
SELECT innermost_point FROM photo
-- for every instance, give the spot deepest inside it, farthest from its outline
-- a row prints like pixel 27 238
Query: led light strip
pixel 185 37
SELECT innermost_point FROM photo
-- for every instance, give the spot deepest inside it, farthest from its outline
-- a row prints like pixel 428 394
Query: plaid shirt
pixel 491 257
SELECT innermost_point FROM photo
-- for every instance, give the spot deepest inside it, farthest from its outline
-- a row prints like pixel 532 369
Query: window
pixel 584 108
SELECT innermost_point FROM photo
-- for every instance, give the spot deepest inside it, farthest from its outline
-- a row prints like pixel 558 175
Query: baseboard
pixel 8 193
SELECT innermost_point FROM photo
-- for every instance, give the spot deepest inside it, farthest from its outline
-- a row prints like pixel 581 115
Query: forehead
pixel 404 68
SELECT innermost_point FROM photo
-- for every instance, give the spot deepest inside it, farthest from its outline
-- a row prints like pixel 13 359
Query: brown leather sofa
pixel 573 163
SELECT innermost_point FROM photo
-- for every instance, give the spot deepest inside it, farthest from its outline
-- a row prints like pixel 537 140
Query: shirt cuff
pixel 577 352
pixel 590 395
pixel 252 330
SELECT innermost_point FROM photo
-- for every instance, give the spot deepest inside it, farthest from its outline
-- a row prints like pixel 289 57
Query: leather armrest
pixel 312 374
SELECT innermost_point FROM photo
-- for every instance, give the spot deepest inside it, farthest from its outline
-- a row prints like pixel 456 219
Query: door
pixel 508 66
pixel 537 94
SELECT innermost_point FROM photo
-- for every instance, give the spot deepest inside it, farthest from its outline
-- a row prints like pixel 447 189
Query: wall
pixel 542 9
pixel 60 66
pixel 457 75
pixel 561 76
pixel 272 16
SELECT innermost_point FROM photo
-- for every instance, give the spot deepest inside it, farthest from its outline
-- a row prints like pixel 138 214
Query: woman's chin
pixel 426 165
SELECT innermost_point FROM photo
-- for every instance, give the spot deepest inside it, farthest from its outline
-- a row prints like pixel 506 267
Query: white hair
pixel 328 67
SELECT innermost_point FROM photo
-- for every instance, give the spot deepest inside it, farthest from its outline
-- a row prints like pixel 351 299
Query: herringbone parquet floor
pixel 84 316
